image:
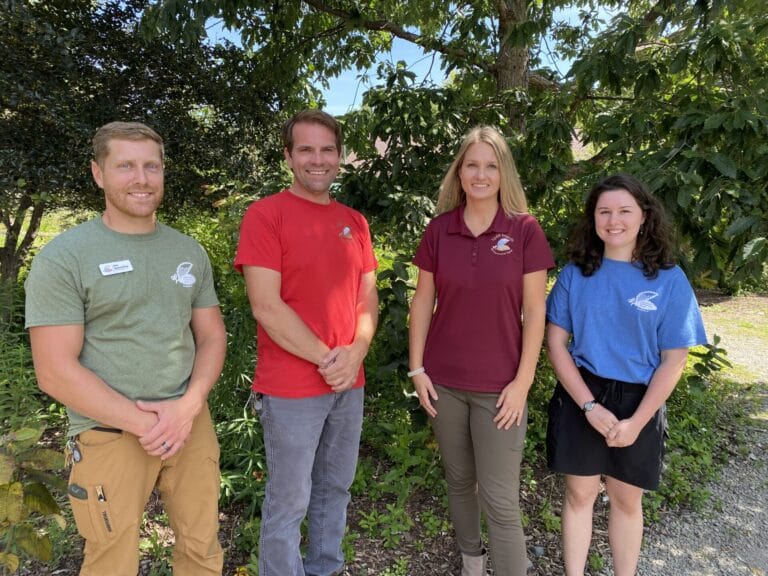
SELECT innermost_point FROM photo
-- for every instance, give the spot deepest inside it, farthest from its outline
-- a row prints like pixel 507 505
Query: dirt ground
pixel 742 324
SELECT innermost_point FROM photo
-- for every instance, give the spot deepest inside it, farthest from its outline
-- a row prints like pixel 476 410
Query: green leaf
pixel 44 459
pixel 36 545
pixel 400 270
pixel 11 502
pixel 679 62
pixel 715 121
pixel 684 195
pixel 25 437
pixel 399 288
pixel 723 164
pixel 7 468
pixel 38 499
pixel 51 480
pixel 61 522
pixel 753 248
pixel 10 561
pixel 741 225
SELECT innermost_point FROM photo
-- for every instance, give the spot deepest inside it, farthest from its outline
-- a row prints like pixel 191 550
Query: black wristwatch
pixel 588 406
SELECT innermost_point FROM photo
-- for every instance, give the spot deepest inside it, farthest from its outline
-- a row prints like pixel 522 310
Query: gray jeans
pixel 311 446
pixel 482 469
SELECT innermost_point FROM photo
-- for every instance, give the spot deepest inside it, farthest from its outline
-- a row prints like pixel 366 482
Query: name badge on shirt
pixel 111 268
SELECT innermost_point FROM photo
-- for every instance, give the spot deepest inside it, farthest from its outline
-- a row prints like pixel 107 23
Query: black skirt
pixel 575 447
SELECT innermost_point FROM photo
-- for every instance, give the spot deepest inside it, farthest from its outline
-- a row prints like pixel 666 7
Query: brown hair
pixel 655 243
pixel 122 131
pixel 511 193
pixel 311 117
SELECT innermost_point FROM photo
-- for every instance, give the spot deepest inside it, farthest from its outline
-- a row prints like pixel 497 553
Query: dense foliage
pixel 674 91
pixel 67 67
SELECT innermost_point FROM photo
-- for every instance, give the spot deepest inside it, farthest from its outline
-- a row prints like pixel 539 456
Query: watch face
pixel 588 406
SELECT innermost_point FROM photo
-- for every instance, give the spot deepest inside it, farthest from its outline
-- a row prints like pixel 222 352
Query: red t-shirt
pixel 321 252
pixel 475 337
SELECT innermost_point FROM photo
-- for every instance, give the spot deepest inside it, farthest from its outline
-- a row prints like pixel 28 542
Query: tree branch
pixel 433 44
pixel 583 166
pixel 31 233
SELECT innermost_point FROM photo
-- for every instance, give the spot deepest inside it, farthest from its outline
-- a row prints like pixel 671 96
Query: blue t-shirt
pixel 621 320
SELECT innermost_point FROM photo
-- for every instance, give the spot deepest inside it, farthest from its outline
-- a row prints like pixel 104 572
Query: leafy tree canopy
pixel 69 66
pixel 671 90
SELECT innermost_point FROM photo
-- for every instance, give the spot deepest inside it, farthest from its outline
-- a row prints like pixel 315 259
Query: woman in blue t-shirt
pixel 621 318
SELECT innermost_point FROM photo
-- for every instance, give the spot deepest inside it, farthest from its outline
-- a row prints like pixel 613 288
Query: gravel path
pixel 731 537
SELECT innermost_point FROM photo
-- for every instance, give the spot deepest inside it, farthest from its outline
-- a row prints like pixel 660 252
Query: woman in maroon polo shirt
pixel 476 328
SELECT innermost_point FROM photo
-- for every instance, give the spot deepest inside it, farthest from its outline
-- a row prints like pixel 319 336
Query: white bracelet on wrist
pixel 416 372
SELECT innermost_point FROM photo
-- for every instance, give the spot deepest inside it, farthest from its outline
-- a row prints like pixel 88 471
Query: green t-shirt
pixel 134 294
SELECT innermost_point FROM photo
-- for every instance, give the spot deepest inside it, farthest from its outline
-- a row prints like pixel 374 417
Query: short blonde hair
pixel 511 193
pixel 123 131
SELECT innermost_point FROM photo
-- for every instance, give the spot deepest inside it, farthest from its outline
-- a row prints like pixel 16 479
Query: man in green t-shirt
pixel 126 332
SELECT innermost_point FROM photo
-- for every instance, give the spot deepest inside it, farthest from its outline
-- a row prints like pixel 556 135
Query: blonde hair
pixel 123 131
pixel 511 193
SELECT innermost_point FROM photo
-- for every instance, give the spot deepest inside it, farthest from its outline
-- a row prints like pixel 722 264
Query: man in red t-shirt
pixel 309 270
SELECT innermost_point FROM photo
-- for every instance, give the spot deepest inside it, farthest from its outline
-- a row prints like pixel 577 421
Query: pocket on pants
pixel 554 411
pixel 93 516
pixel 255 402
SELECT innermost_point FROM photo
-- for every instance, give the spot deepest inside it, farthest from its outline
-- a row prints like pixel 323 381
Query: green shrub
pixel 26 502
pixel 243 462
pixel 704 413
pixel 20 398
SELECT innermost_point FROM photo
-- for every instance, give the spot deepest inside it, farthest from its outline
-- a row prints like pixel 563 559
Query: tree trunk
pixel 9 272
pixel 512 62
pixel 15 251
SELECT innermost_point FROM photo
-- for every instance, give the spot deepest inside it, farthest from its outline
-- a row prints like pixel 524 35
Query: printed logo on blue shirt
pixel 502 245
pixel 183 275
pixel 643 301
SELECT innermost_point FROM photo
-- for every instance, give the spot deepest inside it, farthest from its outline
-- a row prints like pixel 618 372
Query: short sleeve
pixel 426 253
pixel 682 325
pixel 558 301
pixel 259 243
pixel 206 296
pixel 53 294
pixel 369 258
pixel 537 254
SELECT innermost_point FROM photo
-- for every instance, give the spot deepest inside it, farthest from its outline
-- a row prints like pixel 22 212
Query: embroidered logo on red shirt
pixel 502 245
pixel 346 232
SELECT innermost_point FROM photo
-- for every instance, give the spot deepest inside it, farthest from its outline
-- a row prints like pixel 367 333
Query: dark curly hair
pixel 655 243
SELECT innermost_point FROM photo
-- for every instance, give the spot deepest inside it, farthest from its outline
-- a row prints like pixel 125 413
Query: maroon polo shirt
pixel 475 337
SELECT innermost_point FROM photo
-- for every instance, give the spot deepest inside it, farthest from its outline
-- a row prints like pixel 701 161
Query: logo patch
pixel 502 244
pixel 643 301
pixel 183 275
pixel 346 233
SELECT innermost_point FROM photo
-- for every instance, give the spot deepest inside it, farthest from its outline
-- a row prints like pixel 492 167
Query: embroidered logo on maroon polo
pixel 502 244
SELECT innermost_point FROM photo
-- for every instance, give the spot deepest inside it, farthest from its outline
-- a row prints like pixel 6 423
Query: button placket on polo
pixel 475 250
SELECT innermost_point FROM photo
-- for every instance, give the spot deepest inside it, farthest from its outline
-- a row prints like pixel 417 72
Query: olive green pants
pixel 109 486
pixel 482 470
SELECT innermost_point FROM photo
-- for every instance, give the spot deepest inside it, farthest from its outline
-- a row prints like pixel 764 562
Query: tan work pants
pixel 111 484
